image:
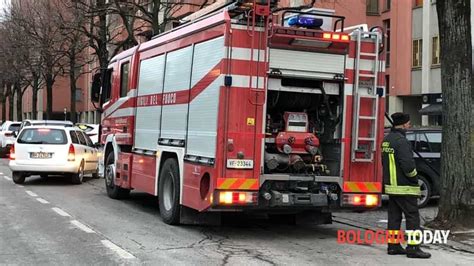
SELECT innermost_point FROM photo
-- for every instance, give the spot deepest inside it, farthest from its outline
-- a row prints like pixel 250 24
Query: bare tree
pixel 457 169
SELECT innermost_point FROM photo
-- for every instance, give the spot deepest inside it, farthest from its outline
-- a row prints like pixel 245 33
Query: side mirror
pixel 97 145
pixel 15 134
pixel 95 90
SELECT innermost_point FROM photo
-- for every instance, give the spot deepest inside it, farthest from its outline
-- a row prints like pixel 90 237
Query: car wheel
pixel 425 187
pixel 168 192
pixel 18 177
pixel 113 191
pixel 78 177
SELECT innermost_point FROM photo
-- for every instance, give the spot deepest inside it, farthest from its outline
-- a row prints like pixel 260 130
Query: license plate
pixel 41 155
pixel 240 164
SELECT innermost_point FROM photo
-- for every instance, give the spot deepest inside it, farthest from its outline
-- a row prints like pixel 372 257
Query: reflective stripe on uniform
pixel 414 237
pixel 393 169
pixel 412 173
pixel 402 190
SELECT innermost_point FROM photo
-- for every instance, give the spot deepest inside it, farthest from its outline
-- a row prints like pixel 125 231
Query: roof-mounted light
pixel 305 21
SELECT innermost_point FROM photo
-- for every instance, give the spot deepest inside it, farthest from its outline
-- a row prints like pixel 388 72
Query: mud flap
pixel 192 217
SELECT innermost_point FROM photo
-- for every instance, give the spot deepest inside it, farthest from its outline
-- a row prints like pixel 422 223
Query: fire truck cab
pixel 243 109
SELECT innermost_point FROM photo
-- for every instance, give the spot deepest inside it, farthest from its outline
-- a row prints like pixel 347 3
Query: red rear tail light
pixel 12 152
pixel 237 198
pixel 367 200
pixel 71 156
pixel 8 134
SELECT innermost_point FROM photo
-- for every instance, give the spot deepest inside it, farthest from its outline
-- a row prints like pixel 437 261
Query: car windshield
pixel 42 136
pixel 14 127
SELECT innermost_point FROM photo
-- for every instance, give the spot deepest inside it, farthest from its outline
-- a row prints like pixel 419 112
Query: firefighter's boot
pixel 396 249
pixel 415 252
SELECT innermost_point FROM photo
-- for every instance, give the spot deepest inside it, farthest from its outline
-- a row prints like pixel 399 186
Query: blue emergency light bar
pixel 305 21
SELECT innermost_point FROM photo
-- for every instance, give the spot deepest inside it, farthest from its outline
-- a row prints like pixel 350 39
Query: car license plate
pixel 41 155
pixel 240 164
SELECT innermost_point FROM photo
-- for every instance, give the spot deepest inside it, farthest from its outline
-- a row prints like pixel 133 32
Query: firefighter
pixel 401 184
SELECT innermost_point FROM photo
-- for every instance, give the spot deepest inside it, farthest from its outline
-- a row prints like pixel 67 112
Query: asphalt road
pixel 51 221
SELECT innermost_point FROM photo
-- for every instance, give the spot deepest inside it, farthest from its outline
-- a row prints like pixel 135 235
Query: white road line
pixel 1 173
pixel 386 221
pixel 82 226
pixel 120 251
pixel 42 200
pixel 7 178
pixel 31 193
pixel 61 212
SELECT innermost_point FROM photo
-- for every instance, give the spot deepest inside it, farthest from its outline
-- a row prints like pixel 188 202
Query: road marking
pixel 20 185
pixel 61 212
pixel 120 251
pixel 42 200
pixel 82 226
pixel 386 221
pixel 1 173
pixel 31 193
pixel 7 178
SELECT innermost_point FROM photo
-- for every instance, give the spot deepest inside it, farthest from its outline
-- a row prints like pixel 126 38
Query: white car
pixel 92 130
pixel 43 150
pixel 7 137
pixel 29 122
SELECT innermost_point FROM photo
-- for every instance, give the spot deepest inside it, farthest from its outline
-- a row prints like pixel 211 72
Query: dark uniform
pixel 401 184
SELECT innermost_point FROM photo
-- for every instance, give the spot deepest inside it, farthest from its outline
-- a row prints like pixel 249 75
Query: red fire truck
pixel 241 109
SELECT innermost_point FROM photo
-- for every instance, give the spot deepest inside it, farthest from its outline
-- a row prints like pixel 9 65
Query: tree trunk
pixel 11 94
pixel 19 107
pixel 72 82
pixel 34 102
pixel 457 170
pixel 3 100
pixel 49 95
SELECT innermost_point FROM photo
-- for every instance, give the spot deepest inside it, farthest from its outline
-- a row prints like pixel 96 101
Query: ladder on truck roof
pixel 364 140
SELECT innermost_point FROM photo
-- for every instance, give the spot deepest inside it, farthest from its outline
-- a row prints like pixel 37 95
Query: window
pixel 74 138
pixel 434 139
pixel 88 140
pixel 388 4
pixel 417 52
pixel 124 79
pixel 418 3
pixel 435 51
pixel 386 25
pixel 372 7
pixel 411 139
pixel 422 144
pixel 82 139
pixel 14 127
pixel 108 85
pixel 42 136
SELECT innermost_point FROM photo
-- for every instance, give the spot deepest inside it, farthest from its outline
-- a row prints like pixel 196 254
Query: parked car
pixel 7 137
pixel 28 122
pixel 44 150
pixel 427 142
pixel 92 130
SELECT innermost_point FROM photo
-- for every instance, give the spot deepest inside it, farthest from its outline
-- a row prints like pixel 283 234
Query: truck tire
pixel 113 191
pixel 168 192
pixel 78 177
pixel 425 187
pixel 18 177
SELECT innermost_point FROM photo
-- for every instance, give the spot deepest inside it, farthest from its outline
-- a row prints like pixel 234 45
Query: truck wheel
pixel 425 187
pixel 168 192
pixel 113 191
pixel 18 178
pixel 78 177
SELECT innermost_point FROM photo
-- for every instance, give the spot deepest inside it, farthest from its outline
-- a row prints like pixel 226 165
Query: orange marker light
pixel 344 37
pixel 336 36
pixel 326 35
pixel 357 199
pixel 371 200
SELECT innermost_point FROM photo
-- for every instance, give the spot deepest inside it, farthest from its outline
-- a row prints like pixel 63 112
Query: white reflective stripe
pixel 244 27
pixel 365 64
pixel 123 112
pixel 243 81
pixel 244 54
pixel 115 105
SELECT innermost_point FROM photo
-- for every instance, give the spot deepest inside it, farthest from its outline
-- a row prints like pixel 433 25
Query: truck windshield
pixel 42 136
